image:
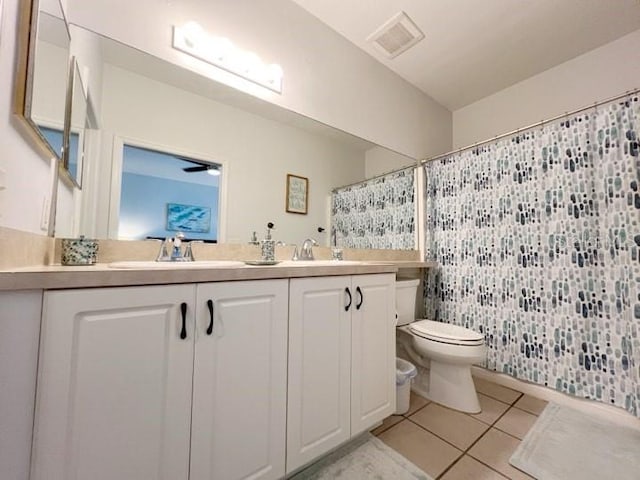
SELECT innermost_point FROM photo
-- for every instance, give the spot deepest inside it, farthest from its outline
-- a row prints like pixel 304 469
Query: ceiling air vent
pixel 396 35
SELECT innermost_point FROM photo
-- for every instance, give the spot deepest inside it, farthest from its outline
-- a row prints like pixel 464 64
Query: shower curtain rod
pixel 402 169
pixel 529 127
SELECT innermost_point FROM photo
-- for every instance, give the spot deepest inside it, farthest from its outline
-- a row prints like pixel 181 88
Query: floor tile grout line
pixel 466 452
pixel 404 416
pixel 511 404
pixel 407 415
pixel 473 415
pixel 526 411
pixel 463 452
pixel 507 433
pixel 503 475
pixel 447 441
pixel 444 472
pixel 473 458
pixel 388 427
pixel 493 426
pixel 435 435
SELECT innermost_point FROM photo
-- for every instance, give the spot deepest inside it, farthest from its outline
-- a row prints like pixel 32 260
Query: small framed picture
pixel 297 194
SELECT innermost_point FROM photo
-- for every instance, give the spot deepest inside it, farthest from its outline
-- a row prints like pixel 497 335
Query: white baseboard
pixel 602 410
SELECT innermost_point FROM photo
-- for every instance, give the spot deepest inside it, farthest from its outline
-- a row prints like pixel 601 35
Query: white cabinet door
pixel 319 367
pixel 240 381
pixel 20 318
pixel 115 382
pixel 373 390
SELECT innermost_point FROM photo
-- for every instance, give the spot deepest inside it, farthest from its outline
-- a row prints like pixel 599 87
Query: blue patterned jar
pixel 79 251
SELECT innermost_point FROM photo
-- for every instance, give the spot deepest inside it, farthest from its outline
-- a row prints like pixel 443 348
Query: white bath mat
pixel 366 458
pixel 566 444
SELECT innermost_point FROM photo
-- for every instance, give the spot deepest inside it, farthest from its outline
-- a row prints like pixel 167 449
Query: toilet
pixel 447 350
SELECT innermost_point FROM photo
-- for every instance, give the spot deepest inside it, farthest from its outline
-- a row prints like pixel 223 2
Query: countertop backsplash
pixel 24 249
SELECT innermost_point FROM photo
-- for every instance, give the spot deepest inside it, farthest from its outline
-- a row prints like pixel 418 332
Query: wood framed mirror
pixel 42 89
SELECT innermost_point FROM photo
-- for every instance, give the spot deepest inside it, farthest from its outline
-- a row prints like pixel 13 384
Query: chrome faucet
pixel 254 239
pixel 305 250
pixel 163 254
pixel 176 251
pixel 177 254
pixel 188 252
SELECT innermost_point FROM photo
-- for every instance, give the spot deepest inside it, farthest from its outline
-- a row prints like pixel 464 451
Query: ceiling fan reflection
pixel 210 168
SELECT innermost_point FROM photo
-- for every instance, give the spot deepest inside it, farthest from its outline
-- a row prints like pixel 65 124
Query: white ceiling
pixel 474 48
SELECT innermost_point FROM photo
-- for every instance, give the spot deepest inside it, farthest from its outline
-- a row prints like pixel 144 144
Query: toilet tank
pixel 406 291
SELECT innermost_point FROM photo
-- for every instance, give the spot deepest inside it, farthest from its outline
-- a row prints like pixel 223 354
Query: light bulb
pixel 251 63
pixel 274 74
pixel 194 34
pixel 219 48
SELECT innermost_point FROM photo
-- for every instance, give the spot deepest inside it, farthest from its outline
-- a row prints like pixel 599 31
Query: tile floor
pixel 450 445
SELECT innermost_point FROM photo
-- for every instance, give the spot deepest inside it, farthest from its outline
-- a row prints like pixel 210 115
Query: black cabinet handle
pixel 210 327
pixel 183 310
pixel 359 292
pixel 348 306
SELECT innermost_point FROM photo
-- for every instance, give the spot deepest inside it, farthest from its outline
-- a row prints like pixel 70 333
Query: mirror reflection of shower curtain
pixel 537 238
pixel 377 213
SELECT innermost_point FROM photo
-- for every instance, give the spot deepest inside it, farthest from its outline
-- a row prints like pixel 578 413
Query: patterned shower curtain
pixel 378 213
pixel 537 238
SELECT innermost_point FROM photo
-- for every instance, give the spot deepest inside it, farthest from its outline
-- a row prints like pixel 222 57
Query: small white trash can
pixel 405 372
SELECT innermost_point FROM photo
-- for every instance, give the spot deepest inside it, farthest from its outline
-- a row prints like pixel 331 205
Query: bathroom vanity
pixel 245 373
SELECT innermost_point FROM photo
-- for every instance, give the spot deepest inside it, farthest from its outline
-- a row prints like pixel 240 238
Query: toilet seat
pixel 446 333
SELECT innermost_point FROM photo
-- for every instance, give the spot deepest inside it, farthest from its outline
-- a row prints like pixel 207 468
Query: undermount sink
pixel 176 265
pixel 320 263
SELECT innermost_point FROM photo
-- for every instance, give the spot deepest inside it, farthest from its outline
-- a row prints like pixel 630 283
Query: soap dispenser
pixel 268 246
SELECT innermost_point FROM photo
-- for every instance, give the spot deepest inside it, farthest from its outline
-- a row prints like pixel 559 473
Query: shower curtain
pixel 537 240
pixel 378 213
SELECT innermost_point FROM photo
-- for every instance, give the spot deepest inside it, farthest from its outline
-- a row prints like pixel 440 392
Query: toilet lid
pixel 446 333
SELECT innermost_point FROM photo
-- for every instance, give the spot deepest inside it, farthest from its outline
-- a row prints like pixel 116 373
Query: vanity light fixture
pixel 220 52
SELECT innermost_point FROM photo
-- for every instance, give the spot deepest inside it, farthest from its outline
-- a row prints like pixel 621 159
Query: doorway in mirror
pixel 163 193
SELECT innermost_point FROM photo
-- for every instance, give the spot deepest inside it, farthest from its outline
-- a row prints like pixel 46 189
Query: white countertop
pixel 101 275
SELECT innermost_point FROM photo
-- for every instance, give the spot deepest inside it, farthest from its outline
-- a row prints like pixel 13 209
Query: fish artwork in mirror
pixel 42 89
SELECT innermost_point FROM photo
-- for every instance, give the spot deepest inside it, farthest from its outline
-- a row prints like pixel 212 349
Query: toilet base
pixel 449 382
pixel 452 386
pixel 454 390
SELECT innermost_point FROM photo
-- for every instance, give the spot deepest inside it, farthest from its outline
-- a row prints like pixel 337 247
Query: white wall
pixel 23 172
pixel 257 153
pixel 50 85
pixel 325 76
pixel 596 75
pixel 86 48
pixel 380 160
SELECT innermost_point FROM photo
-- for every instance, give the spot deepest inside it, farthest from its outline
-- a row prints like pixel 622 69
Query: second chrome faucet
pixel 306 252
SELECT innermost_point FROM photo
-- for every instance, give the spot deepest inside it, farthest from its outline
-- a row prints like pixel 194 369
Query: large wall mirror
pixel 176 150
pixel 165 130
